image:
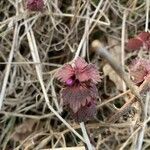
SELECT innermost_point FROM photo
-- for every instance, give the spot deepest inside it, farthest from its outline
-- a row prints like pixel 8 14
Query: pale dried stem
pixel 92 27
pixel 8 67
pixel 147 14
pixel 123 43
pixel 140 138
pixel 86 137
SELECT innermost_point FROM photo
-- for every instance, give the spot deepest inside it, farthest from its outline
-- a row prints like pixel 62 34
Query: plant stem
pixel 86 137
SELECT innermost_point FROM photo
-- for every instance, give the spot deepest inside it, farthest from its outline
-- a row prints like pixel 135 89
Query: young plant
pixel 142 40
pixel 140 70
pixel 35 5
pixel 80 91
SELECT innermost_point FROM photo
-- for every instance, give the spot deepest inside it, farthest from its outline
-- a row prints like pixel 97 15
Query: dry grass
pixel 34 45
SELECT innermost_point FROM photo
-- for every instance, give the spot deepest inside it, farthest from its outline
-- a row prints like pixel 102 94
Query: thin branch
pixel 123 43
pixel 123 110
pixel 3 91
pixel 126 107
pixel 86 137
pixel 140 138
pixel 147 15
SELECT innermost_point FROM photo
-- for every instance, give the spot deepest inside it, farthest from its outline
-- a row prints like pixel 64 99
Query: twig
pixel 29 62
pixel 142 127
pixel 147 15
pixel 113 98
pixel 37 117
pixel 86 137
pixel 123 110
pixel 54 96
pixel 89 26
pixel 15 39
pixel 68 148
pixel 140 138
pixel 102 14
pixel 87 22
pixel 126 107
pixel 131 136
pixel 123 44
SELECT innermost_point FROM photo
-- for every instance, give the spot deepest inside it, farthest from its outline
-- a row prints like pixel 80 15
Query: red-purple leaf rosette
pixel 35 5
pixel 140 70
pixel 80 91
pixel 142 40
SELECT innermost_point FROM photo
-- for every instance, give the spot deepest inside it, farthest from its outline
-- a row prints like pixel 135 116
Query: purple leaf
pixel 86 113
pixel 35 5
